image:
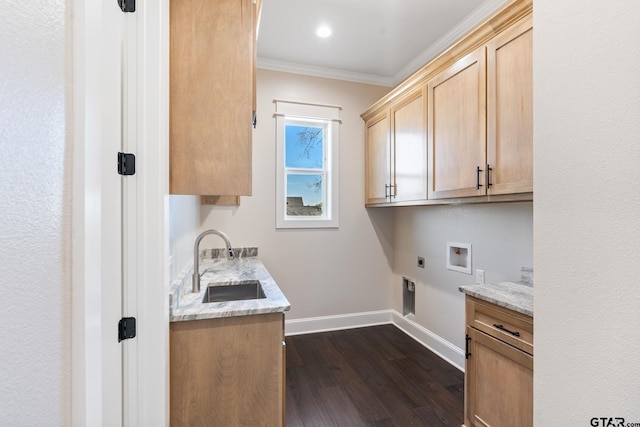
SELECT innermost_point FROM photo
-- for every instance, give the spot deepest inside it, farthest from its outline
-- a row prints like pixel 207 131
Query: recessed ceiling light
pixel 323 31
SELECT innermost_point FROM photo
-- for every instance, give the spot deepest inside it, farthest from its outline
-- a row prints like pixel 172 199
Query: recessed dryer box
pixel 459 257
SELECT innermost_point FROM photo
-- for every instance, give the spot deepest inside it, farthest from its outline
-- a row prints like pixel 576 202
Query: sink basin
pixel 245 290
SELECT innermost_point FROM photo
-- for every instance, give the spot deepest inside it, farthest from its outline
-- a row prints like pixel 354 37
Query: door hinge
pixel 127 5
pixel 126 328
pixel 126 164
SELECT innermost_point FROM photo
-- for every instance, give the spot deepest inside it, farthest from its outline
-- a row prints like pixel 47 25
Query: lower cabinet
pixel 228 371
pixel 499 367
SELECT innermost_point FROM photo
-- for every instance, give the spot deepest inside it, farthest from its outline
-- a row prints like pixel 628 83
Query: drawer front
pixel 504 324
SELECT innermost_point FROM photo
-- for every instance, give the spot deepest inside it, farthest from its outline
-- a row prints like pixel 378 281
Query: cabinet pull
pixel 389 191
pixel 502 328
pixel 478 170
pixel 467 353
pixel 488 176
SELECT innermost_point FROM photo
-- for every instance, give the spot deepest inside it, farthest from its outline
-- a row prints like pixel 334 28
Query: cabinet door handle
pixel 254 119
pixel 389 191
pixel 478 170
pixel 488 176
pixel 467 353
pixel 502 328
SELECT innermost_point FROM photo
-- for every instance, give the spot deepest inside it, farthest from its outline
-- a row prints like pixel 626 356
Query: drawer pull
pixel 502 328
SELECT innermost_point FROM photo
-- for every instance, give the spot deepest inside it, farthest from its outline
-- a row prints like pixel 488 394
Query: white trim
pixel 307 110
pixel 131 240
pixel 443 348
pixel 96 391
pixel 83 398
pixel 310 325
pixel 316 104
pixel 292 112
pixel 477 17
pixel 329 73
pixel 153 212
pixel 93 331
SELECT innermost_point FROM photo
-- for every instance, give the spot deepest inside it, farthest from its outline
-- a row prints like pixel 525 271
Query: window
pixel 307 165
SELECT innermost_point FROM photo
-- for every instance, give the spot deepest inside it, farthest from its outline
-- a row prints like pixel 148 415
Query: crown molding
pixel 477 17
pixel 329 73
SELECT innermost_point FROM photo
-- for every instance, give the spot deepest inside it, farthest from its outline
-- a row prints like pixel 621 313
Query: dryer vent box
pixel 459 257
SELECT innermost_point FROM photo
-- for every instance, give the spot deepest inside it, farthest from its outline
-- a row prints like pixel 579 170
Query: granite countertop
pixel 515 296
pixel 185 305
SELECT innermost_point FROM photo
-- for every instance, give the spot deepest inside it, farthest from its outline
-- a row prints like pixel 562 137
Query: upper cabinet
pixel 408 122
pixel 463 162
pixel 460 128
pixel 396 152
pixel 377 159
pixel 510 109
pixel 212 95
pixel 457 128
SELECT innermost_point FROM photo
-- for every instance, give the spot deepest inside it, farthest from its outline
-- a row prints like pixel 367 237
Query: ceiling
pixel 373 41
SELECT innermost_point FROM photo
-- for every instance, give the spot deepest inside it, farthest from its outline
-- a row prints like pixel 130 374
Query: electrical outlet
pixel 480 277
pixel 420 262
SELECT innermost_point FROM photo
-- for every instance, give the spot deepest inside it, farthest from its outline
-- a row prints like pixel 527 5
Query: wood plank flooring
pixel 375 376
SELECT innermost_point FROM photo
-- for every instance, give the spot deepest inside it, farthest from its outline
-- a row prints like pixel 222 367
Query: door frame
pixel 92 397
pixel 153 213
pixel 96 297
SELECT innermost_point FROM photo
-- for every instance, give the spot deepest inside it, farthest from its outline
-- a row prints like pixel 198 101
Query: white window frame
pixel 327 116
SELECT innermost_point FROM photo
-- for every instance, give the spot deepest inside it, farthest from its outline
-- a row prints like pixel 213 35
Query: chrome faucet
pixel 195 284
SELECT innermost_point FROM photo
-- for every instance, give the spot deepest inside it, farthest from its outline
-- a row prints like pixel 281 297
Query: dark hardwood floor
pixel 375 376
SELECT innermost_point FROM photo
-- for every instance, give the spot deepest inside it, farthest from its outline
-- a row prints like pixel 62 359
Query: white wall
pixel 35 216
pixel 587 211
pixel 184 218
pixel 501 236
pixel 322 272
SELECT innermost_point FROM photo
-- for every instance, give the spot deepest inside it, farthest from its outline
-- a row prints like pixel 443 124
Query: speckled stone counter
pixel 185 305
pixel 515 296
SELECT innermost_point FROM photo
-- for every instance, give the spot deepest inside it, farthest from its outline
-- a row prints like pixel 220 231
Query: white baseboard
pixel 443 348
pixel 312 325
pixel 435 343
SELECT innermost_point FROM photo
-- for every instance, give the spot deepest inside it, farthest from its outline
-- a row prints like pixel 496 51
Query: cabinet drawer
pixel 504 324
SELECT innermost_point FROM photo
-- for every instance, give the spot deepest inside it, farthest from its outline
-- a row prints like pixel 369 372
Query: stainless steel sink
pixel 244 290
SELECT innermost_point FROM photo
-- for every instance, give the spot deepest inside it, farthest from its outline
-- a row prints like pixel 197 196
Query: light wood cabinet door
pixel 377 159
pixel 227 372
pixel 500 383
pixel 408 122
pixel 212 61
pixel 457 129
pixel 510 109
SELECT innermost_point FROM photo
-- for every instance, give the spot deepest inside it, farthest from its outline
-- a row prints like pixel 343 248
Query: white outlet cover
pixel 480 277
